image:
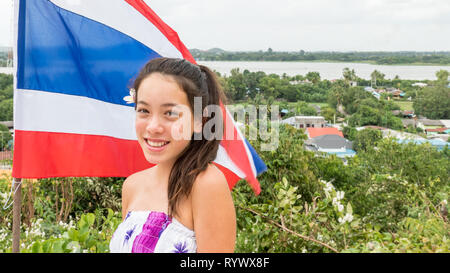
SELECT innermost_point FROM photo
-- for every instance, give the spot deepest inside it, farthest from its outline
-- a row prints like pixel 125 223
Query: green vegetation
pixel 400 57
pixel 63 214
pixel 3 57
pixel 6 109
pixel 434 102
pixel 258 87
pixel 6 97
pixel 390 197
pixel 364 139
pixel 405 105
pixel 5 137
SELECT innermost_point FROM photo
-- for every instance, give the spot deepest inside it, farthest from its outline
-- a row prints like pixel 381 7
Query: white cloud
pixel 6 22
pixel 298 24
pixel 310 24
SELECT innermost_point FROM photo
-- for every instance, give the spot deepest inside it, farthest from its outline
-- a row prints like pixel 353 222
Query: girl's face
pixel 164 120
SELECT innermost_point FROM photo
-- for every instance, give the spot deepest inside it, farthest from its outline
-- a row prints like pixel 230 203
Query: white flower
pixel 348 217
pixel 339 195
pixel 444 201
pixel 340 207
pixel 130 98
pixel 335 201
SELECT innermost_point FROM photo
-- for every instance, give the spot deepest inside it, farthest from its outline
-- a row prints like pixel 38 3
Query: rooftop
pixel 314 132
pixel 443 129
pixel 431 122
pixel 330 142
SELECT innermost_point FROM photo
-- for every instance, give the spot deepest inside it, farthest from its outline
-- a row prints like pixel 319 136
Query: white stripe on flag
pixel 121 16
pixel 61 113
pixel 223 159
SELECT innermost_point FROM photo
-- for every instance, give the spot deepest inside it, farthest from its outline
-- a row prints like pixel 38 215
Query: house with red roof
pixel 434 131
pixel 315 132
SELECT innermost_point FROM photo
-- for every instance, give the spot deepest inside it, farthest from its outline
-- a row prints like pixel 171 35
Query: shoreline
pixel 329 61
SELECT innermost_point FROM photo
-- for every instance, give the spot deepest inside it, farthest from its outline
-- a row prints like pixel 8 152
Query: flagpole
pixel 17 188
pixel 17 182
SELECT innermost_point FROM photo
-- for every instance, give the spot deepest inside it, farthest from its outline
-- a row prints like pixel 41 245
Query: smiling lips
pixel 156 145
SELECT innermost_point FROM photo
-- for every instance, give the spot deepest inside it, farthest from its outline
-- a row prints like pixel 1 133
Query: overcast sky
pixel 292 25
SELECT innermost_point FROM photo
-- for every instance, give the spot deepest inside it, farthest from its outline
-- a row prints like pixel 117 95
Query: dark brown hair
pixel 196 81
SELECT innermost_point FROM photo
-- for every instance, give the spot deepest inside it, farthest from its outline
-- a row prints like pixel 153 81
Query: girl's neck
pixel 162 171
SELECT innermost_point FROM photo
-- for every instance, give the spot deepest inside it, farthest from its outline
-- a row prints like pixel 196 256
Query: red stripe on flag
pixel 171 35
pixel 45 154
pixel 230 176
pixel 236 150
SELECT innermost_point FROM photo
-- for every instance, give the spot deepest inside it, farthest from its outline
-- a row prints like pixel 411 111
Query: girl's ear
pixel 198 126
pixel 198 123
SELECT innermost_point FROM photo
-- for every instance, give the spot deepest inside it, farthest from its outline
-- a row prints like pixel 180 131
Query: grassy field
pixel 405 105
pixel 320 104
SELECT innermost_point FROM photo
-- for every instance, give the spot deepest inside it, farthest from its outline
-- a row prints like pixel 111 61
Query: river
pixel 327 70
pixel 6 70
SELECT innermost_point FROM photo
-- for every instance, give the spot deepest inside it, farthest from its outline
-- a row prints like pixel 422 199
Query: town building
pixel 331 144
pixel 425 123
pixel 304 122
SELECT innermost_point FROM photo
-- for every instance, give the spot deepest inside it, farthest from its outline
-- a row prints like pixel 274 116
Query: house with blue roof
pixel 372 91
pixel 436 142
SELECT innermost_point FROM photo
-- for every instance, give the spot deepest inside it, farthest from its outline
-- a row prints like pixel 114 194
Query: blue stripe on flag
pixel 63 52
pixel 259 164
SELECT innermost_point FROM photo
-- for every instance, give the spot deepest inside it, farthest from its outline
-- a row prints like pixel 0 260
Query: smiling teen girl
pixel 183 203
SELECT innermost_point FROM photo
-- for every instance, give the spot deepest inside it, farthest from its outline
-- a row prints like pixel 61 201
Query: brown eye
pixel 141 110
pixel 172 114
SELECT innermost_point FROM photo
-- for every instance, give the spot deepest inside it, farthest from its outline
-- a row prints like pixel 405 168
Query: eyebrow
pixel 167 104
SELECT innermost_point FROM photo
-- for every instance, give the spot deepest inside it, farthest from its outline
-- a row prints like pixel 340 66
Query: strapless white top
pixel 152 232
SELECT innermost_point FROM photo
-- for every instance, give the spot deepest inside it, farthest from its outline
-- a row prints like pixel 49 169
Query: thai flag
pixel 75 60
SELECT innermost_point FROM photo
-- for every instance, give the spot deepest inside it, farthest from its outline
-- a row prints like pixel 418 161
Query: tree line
pixel 398 57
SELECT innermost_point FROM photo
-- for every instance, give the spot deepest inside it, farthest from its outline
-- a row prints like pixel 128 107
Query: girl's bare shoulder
pixel 132 181
pixel 210 182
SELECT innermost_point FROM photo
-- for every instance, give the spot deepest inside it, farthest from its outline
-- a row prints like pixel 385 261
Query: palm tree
pixel 349 75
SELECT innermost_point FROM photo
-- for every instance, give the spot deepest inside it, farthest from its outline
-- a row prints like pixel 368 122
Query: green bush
pixel 90 234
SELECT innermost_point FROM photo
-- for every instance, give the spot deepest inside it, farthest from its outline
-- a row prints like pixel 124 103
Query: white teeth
pixel 156 144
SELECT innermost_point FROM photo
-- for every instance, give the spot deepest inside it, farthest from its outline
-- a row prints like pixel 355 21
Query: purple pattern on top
pixel 146 241
pixel 128 214
pixel 128 235
pixel 180 248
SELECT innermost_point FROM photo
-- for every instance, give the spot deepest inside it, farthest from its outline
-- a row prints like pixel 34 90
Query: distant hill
pixel 375 57
pixel 215 50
